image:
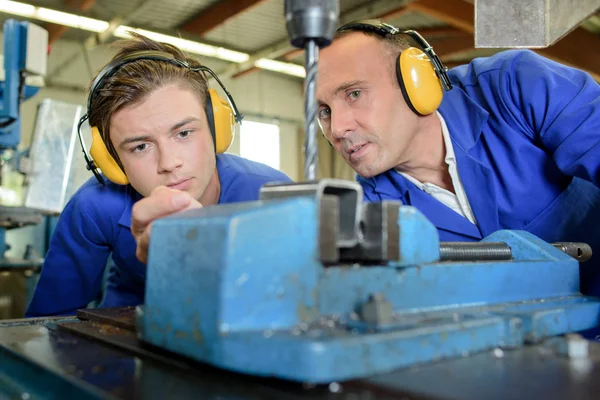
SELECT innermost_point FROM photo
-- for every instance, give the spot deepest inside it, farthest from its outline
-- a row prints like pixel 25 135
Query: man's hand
pixel 162 201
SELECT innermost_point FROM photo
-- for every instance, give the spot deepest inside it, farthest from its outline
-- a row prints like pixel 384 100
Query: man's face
pixel 165 140
pixel 361 109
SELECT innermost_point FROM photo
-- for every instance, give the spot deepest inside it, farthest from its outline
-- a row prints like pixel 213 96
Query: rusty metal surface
pixel 70 363
pixel 531 372
pixel 122 339
pixel 123 317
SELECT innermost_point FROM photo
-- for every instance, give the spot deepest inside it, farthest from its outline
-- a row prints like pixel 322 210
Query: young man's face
pixel 361 108
pixel 165 140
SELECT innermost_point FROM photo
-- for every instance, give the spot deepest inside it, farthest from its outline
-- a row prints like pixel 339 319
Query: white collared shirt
pixel 457 202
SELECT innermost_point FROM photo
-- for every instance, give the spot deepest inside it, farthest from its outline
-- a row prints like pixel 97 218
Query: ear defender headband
pixel 420 72
pixel 222 116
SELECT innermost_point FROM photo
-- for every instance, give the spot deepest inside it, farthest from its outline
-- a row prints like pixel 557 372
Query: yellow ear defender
pixel 222 115
pixel 421 75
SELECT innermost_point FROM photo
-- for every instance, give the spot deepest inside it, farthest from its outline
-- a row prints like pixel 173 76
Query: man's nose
pixel 342 122
pixel 169 160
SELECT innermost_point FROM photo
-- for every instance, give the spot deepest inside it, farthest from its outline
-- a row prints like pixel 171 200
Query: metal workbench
pixel 97 355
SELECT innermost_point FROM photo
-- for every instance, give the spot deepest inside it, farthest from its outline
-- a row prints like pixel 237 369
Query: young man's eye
pixel 354 94
pixel 139 148
pixel 185 134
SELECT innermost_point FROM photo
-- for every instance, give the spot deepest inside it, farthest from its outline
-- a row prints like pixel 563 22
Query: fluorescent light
pixel 12 7
pixel 186 45
pixel 235 56
pixel 57 17
pixel 278 66
pixel 95 25
pixel 74 21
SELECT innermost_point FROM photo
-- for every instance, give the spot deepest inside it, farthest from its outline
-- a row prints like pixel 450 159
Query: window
pixel 260 142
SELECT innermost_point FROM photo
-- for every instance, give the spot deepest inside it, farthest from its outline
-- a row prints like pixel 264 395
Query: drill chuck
pixel 311 20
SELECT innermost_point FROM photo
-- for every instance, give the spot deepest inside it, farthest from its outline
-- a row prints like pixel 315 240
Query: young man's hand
pixel 162 201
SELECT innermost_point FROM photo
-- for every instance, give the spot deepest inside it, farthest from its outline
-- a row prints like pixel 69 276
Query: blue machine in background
pixel 312 286
pixel 25 53
pixel 25 58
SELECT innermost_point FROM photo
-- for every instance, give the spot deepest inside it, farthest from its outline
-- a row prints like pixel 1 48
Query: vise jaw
pixel 348 230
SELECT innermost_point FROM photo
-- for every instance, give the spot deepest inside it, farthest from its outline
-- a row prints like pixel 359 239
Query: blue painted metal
pixel 240 286
pixel 4 247
pixel 428 249
pixel 15 46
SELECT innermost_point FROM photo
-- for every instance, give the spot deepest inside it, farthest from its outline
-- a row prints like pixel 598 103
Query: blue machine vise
pixel 311 285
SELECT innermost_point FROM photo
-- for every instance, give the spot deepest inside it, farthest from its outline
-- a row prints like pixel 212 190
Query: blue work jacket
pixel 526 133
pixel 96 223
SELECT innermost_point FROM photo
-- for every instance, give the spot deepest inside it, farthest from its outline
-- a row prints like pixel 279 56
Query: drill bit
pixel 311 25
pixel 310 112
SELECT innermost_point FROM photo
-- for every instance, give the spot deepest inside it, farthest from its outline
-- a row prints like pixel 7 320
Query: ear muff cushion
pixel 104 161
pixel 420 84
pixel 210 118
pixel 222 119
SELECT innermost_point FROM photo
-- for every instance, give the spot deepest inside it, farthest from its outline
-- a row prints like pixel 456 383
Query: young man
pixel 151 115
pixel 514 144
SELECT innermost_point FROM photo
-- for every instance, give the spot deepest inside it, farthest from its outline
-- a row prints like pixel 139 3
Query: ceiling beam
pixel 246 72
pixel 290 55
pixel 444 31
pixel 55 31
pixel 395 13
pixel 452 64
pixel 428 33
pixel 451 46
pixel 456 13
pixel 94 39
pixel 273 51
pixel 80 4
pixel 573 49
pixel 374 9
pixel 217 14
